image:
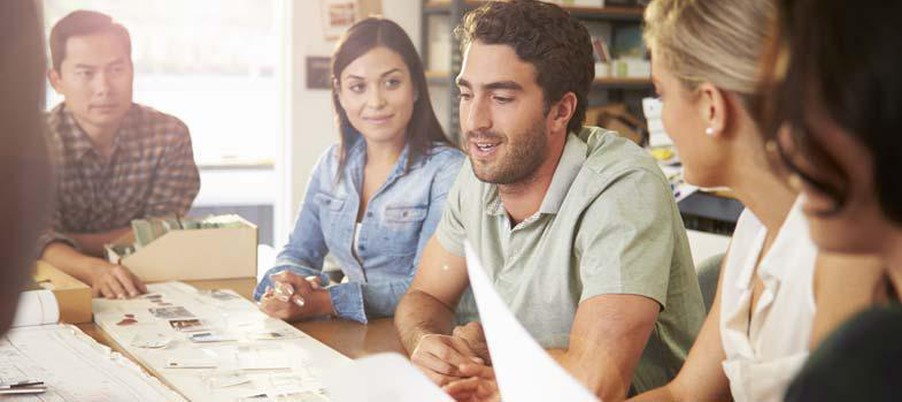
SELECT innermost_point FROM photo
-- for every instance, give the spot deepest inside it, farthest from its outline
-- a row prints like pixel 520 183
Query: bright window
pixel 213 64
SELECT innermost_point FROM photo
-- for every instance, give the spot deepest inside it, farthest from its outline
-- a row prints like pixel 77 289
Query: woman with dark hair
pixel 375 198
pixel 24 166
pixel 835 115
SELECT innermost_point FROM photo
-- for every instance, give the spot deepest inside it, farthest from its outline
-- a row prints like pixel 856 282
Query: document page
pixel 524 371
pixel 385 377
pixel 74 368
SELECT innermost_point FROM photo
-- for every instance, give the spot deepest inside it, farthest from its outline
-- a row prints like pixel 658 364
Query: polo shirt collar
pixel 572 159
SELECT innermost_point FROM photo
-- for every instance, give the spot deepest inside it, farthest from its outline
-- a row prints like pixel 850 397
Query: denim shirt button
pixel 369 214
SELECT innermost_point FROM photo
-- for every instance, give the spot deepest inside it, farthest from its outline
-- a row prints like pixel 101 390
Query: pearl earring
pixel 709 131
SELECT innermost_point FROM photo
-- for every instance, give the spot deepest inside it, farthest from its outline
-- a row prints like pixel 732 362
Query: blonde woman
pixel 767 312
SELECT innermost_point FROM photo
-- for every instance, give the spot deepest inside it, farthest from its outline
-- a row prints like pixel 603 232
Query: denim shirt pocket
pixel 403 224
pixel 330 214
pixel 328 203
pixel 404 215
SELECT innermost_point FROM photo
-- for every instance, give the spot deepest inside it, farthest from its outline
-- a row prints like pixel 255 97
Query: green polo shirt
pixel 607 225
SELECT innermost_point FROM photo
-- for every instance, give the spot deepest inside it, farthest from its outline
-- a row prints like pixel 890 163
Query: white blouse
pixel 355 245
pixel 764 354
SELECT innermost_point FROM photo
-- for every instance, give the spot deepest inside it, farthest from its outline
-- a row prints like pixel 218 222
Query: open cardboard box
pixel 195 254
pixel 73 296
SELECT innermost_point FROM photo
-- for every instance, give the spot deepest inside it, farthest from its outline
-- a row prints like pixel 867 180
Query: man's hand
pixel 115 282
pixel 439 356
pixel 308 300
pixel 472 333
pixel 479 384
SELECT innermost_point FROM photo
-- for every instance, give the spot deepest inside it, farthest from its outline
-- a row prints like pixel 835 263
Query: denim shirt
pixel 400 218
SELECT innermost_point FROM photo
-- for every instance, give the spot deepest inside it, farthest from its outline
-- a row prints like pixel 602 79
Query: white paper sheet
pixel 524 371
pixel 385 377
pixel 74 367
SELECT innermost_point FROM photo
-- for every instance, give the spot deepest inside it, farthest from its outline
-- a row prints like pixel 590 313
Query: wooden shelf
pixel 591 13
pixel 622 83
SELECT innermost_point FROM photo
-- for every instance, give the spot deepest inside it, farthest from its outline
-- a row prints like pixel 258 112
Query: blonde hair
pixel 716 41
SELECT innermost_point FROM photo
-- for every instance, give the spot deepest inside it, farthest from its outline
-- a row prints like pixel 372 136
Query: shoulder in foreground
pixel 609 153
pixel 862 329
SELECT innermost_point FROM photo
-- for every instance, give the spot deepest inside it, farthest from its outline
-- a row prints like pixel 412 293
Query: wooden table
pixel 348 338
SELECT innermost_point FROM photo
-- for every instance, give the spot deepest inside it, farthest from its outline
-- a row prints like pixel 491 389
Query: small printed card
pixel 190 325
pixel 193 359
pixel 210 337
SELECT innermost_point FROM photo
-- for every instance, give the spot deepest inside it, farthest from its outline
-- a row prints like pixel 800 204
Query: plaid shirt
pixel 151 172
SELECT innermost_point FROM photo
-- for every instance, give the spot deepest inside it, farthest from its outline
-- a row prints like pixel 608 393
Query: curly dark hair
pixel 544 35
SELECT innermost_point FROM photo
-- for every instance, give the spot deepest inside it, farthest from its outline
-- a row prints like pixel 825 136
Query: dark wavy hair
pixel 845 56
pixel 544 35
pixel 81 23
pixel 423 129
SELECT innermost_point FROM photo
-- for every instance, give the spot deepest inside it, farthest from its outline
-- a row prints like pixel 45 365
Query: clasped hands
pixel 460 363
pixel 292 297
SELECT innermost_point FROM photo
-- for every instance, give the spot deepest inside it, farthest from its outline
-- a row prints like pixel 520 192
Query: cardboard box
pixel 73 296
pixel 195 254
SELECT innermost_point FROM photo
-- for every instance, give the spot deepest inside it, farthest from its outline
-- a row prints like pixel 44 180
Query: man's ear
pixel 54 77
pixel 561 112
pixel 713 107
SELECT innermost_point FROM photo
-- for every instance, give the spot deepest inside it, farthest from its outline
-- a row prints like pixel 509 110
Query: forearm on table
pixel 69 260
pixel 420 314
pixel 93 243
pixel 607 338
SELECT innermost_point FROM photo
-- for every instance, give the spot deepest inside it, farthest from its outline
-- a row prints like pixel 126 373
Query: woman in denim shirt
pixel 375 198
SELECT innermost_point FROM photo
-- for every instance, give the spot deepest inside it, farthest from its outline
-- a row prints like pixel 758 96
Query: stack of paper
pixel 64 364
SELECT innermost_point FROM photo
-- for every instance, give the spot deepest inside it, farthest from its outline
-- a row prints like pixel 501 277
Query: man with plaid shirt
pixel 115 160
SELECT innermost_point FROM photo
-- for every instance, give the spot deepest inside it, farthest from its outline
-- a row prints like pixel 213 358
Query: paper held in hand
pixel 524 371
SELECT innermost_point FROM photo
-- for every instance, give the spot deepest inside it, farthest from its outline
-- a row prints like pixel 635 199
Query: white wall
pixel 311 127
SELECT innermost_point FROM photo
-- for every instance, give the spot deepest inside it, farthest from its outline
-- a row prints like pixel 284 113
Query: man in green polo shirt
pixel 576 227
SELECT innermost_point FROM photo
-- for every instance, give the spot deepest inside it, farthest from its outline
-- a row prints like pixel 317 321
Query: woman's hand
pixel 293 298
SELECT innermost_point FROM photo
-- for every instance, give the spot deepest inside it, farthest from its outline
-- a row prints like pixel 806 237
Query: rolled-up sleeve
pixel 357 301
pixel 52 234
